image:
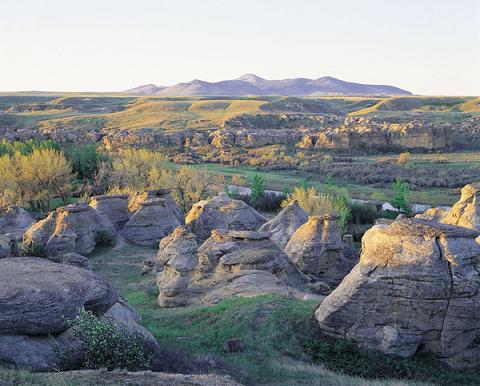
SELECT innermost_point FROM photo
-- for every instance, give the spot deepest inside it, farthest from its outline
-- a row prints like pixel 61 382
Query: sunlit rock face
pixel 466 212
pixel 434 214
pixel 415 290
pixel 222 212
pixel 71 228
pixel 283 226
pixel 317 249
pixel 229 263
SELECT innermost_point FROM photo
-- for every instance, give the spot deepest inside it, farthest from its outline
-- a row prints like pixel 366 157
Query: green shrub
pixel 104 239
pixel 258 188
pixel 31 250
pixel 106 345
pixel 401 199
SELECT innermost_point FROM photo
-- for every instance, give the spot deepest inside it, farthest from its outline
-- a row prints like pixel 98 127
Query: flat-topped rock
pixel 415 290
pixel 284 224
pixel 434 214
pixel 222 212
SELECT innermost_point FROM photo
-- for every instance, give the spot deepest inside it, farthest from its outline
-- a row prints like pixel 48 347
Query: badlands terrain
pixel 232 240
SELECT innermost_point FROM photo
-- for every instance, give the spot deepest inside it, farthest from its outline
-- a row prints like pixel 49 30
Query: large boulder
pixel 317 249
pixel 466 212
pixel 38 297
pixel 222 212
pixel 72 228
pixel 415 290
pixel 148 195
pixel 5 247
pixel 154 219
pixel 229 263
pixel 283 225
pixel 114 207
pixel 16 221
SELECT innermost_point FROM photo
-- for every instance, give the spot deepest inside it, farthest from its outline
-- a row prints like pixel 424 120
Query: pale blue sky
pixel 426 46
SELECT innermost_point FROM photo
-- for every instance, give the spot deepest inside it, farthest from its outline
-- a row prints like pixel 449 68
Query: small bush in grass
pixel 31 250
pixel 106 345
pixel 104 239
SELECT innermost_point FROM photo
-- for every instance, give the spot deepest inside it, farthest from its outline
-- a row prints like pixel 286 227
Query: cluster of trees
pixel 35 172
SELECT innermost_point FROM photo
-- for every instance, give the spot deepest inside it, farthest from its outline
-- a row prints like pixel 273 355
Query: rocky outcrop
pixel 5 247
pixel 283 226
pixel 317 249
pixel 229 263
pixel 16 221
pixel 114 207
pixel 151 195
pixel 177 260
pixel 222 212
pixel 72 228
pixel 466 212
pixel 153 219
pixel 38 297
pixel 415 290
pixel 77 260
pixel 433 214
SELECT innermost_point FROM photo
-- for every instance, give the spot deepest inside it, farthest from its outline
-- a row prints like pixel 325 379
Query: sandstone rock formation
pixel 229 263
pixel 222 212
pixel 73 258
pixel 177 258
pixel 415 290
pixel 154 219
pixel 434 214
pixel 151 195
pixel 317 249
pixel 37 297
pixel 283 226
pixel 114 207
pixel 16 221
pixel 72 228
pixel 466 212
pixel 5 247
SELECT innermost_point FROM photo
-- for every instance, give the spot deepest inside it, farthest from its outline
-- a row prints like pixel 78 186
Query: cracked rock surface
pixel 415 290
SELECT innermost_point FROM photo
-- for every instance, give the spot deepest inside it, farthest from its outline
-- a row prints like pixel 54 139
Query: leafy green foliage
pixel 85 160
pixel 106 345
pixel 26 147
pixel 401 198
pixel 258 188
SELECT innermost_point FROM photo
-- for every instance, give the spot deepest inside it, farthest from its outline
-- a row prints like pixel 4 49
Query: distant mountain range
pixel 251 84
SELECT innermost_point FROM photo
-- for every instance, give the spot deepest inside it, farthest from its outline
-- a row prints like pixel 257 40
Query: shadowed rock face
pixel 229 263
pixel 466 212
pixel 16 221
pixel 415 289
pixel 283 226
pixel 153 220
pixel 71 228
pixel 38 296
pixel 222 212
pixel 317 249
pixel 113 207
